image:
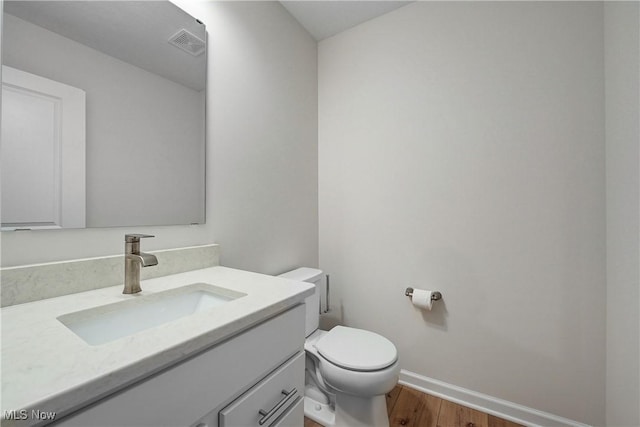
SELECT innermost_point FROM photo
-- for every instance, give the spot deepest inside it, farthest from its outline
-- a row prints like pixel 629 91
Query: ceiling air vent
pixel 188 42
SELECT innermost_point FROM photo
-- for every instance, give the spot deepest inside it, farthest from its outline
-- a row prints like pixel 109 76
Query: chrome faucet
pixel 133 261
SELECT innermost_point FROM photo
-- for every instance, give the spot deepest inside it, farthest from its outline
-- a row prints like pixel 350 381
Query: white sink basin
pixel 109 322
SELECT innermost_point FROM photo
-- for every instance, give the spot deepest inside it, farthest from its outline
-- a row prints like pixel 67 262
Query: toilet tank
pixel 311 275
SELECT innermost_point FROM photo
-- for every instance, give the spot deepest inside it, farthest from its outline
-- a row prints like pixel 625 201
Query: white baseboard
pixel 500 408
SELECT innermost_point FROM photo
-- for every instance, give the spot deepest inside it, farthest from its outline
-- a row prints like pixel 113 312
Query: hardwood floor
pixel 411 408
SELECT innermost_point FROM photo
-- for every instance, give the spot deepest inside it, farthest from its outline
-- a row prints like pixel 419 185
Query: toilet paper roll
pixel 422 299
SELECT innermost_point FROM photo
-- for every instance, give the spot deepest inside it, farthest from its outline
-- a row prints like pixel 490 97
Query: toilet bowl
pixel 349 370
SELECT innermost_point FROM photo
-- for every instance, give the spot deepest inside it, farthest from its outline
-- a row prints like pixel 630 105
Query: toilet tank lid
pixel 303 274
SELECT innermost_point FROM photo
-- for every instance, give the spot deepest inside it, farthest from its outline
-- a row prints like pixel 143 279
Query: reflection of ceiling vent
pixel 188 42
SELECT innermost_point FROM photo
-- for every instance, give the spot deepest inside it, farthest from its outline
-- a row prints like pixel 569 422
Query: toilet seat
pixel 356 349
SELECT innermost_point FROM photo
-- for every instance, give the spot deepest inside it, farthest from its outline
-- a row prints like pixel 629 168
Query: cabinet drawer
pixel 263 404
pixel 293 418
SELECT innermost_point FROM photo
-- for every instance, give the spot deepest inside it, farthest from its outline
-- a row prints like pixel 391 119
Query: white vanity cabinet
pixel 271 399
pixel 253 378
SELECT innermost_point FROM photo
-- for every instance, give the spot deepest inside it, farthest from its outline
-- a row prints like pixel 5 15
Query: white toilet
pixel 348 370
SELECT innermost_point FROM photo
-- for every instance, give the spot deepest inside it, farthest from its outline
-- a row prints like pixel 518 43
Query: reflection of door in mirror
pixel 145 99
pixel 46 119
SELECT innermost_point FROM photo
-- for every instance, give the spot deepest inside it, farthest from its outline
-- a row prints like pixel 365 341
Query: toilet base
pixel 321 413
pixel 354 411
pixel 351 411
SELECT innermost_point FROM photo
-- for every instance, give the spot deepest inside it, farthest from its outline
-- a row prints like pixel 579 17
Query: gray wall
pixel 622 71
pixel 261 152
pixel 461 149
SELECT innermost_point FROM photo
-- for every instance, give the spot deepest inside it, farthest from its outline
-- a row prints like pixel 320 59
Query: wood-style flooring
pixel 411 408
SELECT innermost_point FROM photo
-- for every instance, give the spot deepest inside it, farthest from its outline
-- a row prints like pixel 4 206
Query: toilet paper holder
pixel 434 297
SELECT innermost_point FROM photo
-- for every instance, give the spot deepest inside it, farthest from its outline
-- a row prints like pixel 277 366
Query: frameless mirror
pixel 102 114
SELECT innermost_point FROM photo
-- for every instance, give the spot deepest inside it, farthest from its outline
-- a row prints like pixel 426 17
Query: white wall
pixel 264 180
pixel 622 71
pixel 461 148
pixel 261 152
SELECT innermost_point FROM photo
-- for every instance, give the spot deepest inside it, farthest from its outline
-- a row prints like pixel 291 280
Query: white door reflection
pixel 43 152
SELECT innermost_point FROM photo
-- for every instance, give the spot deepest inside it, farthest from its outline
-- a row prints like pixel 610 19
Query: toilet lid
pixel 357 349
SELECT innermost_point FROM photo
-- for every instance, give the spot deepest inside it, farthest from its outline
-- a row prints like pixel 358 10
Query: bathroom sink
pixel 109 322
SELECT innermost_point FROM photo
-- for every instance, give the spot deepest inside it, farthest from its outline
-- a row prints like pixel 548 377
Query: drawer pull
pixel 288 395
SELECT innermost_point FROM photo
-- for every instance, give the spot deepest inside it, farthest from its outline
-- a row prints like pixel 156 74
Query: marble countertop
pixel 47 368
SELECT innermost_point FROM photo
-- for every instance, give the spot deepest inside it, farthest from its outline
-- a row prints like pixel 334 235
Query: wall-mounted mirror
pixel 103 119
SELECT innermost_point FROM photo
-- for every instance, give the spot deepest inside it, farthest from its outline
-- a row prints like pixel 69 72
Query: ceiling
pixel 323 19
pixel 132 31
pixel 119 28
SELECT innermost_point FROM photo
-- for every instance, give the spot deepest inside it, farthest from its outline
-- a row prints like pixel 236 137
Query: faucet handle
pixel 135 238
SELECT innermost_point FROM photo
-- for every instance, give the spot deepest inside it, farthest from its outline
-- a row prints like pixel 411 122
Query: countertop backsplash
pixel 35 282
